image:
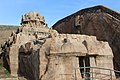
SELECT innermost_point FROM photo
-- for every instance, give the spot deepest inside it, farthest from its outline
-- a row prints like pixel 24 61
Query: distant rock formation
pixel 37 52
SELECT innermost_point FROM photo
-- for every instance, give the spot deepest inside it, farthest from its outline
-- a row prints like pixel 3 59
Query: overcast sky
pixel 52 10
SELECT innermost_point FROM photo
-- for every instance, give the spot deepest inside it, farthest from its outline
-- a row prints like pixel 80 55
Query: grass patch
pixel 1 66
pixel 7 73
pixel 4 71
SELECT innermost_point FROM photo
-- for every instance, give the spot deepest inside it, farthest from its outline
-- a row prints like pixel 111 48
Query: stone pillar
pixel 14 50
pixel 92 64
pixel 77 73
pixel 105 61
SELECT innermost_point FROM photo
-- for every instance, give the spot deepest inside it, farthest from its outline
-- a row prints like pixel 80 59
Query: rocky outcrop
pixel 36 52
pixel 98 21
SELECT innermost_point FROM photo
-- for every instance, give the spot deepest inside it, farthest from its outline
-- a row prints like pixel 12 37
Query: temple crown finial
pixel 32 19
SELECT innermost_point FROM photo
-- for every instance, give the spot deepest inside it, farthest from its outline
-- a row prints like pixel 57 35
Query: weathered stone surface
pixel 37 52
pixel 5 33
pixel 32 19
pixel 97 21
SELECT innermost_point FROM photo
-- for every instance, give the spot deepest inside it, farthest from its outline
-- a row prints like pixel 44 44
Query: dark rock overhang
pixel 95 9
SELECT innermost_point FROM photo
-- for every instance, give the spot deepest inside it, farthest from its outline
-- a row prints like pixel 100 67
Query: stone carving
pixel 37 52
pixel 32 19
pixel 98 21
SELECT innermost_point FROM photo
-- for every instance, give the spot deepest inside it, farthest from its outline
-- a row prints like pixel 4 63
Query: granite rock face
pixel 37 52
pixel 96 21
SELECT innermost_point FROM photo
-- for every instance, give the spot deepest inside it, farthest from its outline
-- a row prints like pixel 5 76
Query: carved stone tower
pixel 32 19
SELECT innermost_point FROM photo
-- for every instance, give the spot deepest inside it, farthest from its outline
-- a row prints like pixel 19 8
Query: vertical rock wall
pixel 96 21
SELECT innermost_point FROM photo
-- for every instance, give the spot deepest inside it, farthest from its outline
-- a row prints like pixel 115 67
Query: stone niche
pixel 37 52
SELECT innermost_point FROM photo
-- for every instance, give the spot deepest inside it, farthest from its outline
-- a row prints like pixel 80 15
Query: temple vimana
pixel 82 46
